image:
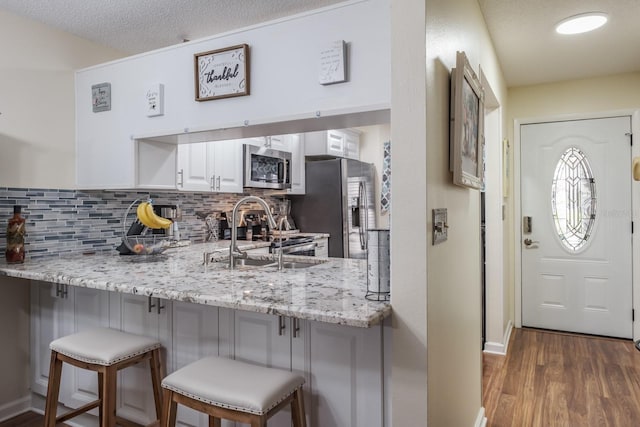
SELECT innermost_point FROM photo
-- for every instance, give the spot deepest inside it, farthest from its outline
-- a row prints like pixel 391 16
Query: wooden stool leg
pixel 53 390
pixel 298 417
pixel 156 378
pixel 258 421
pixel 214 422
pixel 169 409
pixel 109 386
pixel 100 395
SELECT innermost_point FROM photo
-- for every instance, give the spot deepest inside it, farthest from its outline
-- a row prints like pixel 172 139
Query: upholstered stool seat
pixel 104 351
pixel 229 389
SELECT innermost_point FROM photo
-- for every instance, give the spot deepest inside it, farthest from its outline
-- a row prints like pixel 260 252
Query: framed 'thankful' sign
pixel 222 73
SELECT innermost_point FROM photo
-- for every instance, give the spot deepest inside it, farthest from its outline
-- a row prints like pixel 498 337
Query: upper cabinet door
pixel 228 166
pixel 195 167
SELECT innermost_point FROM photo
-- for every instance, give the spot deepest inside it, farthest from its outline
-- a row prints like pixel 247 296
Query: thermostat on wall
pixel 101 97
pixel 155 100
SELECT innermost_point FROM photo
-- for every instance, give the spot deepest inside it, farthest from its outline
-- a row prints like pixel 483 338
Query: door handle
pixel 528 242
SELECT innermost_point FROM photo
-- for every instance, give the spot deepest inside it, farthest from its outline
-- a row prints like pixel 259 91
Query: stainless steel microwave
pixel 266 168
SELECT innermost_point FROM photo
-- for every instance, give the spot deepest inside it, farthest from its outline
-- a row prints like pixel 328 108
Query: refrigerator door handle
pixel 363 210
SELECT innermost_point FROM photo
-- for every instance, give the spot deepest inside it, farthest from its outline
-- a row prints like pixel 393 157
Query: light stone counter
pixel 332 292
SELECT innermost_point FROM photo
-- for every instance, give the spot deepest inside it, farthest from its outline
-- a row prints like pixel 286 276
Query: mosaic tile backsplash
pixel 62 222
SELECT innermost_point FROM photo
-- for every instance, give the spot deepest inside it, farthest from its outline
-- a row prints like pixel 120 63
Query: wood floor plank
pixel 559 379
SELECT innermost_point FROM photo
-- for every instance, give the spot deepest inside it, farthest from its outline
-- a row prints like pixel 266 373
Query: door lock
pixel 528 242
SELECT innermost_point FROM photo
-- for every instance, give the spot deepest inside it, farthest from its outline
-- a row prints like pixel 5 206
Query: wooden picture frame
pixel 466 139
pixel 222 73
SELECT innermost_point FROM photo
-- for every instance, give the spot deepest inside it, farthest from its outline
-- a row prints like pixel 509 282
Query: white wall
pixel 37 137
pixel 454 270
pixel 409 214
pixel 37 142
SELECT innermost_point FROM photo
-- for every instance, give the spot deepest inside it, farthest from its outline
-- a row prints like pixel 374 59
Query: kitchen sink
pixel 298 264
pixel 289 262
pixel 255 262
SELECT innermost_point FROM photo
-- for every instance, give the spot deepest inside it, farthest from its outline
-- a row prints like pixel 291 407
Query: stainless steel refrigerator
pixel 339 200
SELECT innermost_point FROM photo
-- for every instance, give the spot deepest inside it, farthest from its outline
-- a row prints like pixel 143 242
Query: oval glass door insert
pixel 573 199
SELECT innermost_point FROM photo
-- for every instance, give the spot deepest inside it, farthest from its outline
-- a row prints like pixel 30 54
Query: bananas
pixel 148 217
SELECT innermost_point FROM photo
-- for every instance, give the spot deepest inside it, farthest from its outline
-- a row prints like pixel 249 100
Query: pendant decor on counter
pixel 15 237
pixel 378 265
pixel 222 73
pixel 385 197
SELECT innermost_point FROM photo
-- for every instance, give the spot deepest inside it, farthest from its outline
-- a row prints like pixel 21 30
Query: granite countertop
pixel 333 291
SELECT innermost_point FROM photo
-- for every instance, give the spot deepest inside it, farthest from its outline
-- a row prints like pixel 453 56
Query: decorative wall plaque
pixel 101 97
pixel 155 100
pixel 222 73
pixel 333 63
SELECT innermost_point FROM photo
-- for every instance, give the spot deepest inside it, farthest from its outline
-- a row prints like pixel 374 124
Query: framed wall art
pixel 466 139
pixel 222 73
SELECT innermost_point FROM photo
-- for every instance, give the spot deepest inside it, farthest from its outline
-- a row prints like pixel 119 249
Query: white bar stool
pixel 233 390
pixel 104 351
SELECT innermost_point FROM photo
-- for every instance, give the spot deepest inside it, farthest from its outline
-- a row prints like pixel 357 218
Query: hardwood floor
pixel 553 379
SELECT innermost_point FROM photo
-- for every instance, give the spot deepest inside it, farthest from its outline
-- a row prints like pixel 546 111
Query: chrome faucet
pixel 234 252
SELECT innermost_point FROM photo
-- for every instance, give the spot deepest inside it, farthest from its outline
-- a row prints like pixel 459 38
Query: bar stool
pixel 104 351
pixel 233 390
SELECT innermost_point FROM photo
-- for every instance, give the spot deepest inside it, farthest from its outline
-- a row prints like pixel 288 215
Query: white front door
pixel 576 226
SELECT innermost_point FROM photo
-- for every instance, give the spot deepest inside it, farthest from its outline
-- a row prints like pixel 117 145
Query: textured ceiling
pixel 135 26
pixel 531 52
pixel 522 30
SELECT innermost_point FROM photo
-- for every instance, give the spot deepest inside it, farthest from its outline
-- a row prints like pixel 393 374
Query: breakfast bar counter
pixel 332 291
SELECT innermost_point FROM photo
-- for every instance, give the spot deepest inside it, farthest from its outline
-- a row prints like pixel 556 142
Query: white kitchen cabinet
pixel 142 315
pixel 344 366
pixel 346 370
pixel 266 340
pixel 298 171
pixel 195 335
pixel 210 166
pixel 59 310
pixel 275 142
pixel 51 318
pixel 333 143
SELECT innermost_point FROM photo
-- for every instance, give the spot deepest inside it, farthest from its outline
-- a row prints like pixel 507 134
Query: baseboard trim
pixel 17 407
pixel 481 420
pixel 500 348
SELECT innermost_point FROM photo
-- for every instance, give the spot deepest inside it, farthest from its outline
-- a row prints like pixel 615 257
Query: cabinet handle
pixel 158 304
pixel 281 325
pixel 296 327
pixel 212 184
pixel 267 141
pixel 181 175
pixel 218 183
pixel 62 290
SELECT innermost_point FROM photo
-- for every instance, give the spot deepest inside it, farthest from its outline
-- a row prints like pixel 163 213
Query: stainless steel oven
pixel 295 246
pixel 266 168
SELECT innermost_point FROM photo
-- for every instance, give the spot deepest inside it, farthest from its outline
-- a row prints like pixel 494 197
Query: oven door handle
pixel 299 248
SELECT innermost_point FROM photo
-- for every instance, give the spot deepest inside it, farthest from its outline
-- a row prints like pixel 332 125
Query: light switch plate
pixel 155 100
pixel 440 225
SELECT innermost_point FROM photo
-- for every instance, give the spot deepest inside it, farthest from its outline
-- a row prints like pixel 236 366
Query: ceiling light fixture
pixel 582 23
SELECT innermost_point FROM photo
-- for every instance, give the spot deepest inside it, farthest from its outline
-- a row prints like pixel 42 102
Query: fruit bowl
pixel 146 245
pixel 141 239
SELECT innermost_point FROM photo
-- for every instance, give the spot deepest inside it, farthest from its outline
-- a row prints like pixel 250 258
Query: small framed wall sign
pixel 101 97
pixel 222 73
pixel 155 100
pixel 333 63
